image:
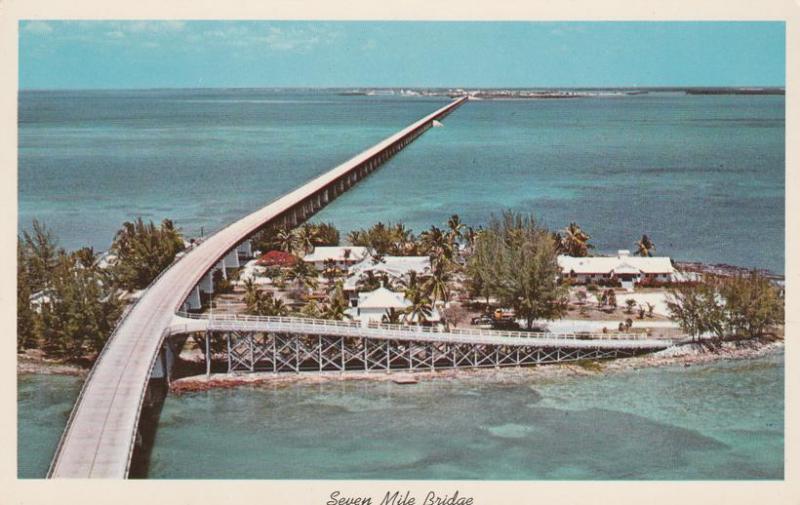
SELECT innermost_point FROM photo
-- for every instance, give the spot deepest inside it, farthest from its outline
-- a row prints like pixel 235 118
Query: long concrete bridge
pixel 99 439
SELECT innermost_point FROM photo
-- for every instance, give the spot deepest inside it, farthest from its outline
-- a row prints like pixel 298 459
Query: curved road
pixel 99 438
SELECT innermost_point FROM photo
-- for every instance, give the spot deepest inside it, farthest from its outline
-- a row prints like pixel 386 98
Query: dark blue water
pixel 702 175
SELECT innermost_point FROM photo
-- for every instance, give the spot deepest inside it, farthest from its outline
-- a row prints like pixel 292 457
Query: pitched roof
pixel 277 258
pixel 336 253
pixel 621 264
pixel 382 298
pixel 393 265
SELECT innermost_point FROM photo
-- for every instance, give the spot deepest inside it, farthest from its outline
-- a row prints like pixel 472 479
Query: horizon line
pixel 417 87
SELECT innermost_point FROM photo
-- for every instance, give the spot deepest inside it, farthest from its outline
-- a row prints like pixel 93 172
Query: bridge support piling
pixel 208 357
pixel 228 341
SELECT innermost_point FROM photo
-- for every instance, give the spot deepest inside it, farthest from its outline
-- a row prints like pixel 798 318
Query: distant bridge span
pixel 100 435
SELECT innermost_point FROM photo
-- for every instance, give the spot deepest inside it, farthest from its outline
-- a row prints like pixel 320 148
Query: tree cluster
pixel 143 251
pixel 514 260
pixel 744 306
pixel 76 303
pixel 302 239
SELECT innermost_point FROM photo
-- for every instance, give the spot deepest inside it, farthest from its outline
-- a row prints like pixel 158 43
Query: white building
pixel 39 299
pixel 629 270
pixel 374 305
pixel 394 267
pixel 343 257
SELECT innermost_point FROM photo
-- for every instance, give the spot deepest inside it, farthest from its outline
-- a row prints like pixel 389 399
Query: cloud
pixel 38 27
pixel 189 36
pixel 152 26
pixel 296 39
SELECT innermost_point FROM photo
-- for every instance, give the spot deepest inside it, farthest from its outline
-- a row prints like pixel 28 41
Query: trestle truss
pixel 274 352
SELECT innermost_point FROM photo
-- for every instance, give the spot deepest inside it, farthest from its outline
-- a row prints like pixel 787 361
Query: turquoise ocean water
pixel 720 421
pixel 703 175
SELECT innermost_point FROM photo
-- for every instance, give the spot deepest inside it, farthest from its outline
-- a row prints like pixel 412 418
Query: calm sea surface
pixel 721 421
pixel 702 175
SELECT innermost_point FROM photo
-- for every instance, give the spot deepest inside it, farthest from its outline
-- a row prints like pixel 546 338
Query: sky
pixel 197 54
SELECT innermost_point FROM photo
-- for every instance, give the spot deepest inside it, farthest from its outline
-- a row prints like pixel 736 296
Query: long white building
pixel 628 269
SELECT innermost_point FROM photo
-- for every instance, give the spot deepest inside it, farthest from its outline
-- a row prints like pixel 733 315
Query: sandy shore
pixel 687 356
pixel 32 362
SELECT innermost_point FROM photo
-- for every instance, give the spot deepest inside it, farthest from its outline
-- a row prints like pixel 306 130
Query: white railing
pixel 381 330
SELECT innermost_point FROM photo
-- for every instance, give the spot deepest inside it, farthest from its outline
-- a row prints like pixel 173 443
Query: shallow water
pixel 43 406
pixel 715 421
pixel 702 175
pixel 721 421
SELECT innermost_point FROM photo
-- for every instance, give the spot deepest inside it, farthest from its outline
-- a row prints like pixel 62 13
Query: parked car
pixel 506 324
pixel 483 321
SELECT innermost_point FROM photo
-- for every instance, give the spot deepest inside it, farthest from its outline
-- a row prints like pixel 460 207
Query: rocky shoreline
pixel 32 362
pixel 686 355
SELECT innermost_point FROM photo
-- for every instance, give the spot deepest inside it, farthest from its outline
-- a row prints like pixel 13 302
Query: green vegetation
pixel 745 306
pixel 645 246
pixel 143 251
pixel 302 239
pixel 303 275
pixel 573 241
pixel 259 303
pixel 515 261
pixel 382 239
pixel 76 305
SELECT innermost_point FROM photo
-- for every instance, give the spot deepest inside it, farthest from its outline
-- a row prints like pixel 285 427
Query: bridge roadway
pixel 100 435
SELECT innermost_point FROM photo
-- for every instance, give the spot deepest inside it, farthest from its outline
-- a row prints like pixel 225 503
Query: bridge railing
pixel 414 329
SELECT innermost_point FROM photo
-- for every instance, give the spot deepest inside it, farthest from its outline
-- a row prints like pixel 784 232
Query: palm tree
pixel 311 309
pixel 469 236
pixel 306 237
pixel 420 308
pixel 456 228
pixel 436 244
pixel 437 287
pixel 278 307
pixel 358 238
pixel 330 271
pixel 258 303
pixel 391 316
pixel 286 240
pixel 573 241
pixel 303 275
pixel 409 285
pixel 369 281
pixel 403 240
pixel 250 292
pixel 645 246
pixel 334 311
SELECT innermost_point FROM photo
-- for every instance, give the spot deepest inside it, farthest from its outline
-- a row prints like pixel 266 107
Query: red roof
pixel 277 259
